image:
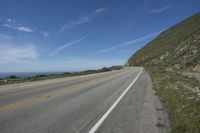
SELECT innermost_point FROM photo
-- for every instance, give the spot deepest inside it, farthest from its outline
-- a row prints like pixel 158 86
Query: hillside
pixel 173 61
pixel 177 48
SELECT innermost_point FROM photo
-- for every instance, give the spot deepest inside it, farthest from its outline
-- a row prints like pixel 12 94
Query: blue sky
pixel 73 35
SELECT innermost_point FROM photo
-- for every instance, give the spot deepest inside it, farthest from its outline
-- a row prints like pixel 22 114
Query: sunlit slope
pixel 178 47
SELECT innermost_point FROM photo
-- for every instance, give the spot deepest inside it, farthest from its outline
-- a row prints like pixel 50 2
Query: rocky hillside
pixel 176 48
pixel 173 61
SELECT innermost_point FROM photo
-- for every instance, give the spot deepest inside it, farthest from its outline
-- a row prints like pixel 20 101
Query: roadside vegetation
pixel 173 61
pixel 181 95
pixel 14 79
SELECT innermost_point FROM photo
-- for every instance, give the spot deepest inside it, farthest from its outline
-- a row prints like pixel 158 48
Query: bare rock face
pixel 197 68
pixel 176 67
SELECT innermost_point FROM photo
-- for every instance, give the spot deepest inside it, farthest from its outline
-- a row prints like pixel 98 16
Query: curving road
pixel 120 101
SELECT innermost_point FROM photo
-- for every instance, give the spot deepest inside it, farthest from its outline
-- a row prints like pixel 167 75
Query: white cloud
pixel 160 9
pixel 100 10
pixel 70 43
pixel 44 33
pixel 11 20
pixel 19 28
pixel 127 43
pixel 12 24
pixel 24 29
pixel 11 53
pixel 82 19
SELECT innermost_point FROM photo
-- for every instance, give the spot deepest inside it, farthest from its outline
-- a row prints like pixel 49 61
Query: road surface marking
pixel 54 93
pixel 51 93
pixel 101 120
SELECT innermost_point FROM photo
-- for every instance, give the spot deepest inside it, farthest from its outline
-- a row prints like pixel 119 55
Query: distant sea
pixel 25 74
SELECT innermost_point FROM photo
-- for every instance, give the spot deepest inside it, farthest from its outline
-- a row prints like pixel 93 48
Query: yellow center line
pixel 49 94
pixel 56 92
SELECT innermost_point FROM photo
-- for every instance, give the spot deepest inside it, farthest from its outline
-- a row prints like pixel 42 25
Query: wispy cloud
pixel 44 33
pixel 11 21
pixel 11 53
pixel 13 50
pixel 99 10
pixel 24 29
pixel 60 48
pixel 128 43
pixel 160 9
pixel 19 28
pixel 82 19
pixel 13 24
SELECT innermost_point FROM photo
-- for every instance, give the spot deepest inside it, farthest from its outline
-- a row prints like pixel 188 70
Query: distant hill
pixel 176 48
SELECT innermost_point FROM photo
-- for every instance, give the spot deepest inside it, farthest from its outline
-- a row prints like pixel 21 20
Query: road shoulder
pixel 140 111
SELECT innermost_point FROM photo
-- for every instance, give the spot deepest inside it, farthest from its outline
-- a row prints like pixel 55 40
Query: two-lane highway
pixel 72 105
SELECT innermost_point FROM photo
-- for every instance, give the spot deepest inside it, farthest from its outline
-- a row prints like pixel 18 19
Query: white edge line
pixel 101 120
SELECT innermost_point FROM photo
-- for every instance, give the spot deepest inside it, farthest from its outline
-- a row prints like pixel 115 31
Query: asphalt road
pixel 119 101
